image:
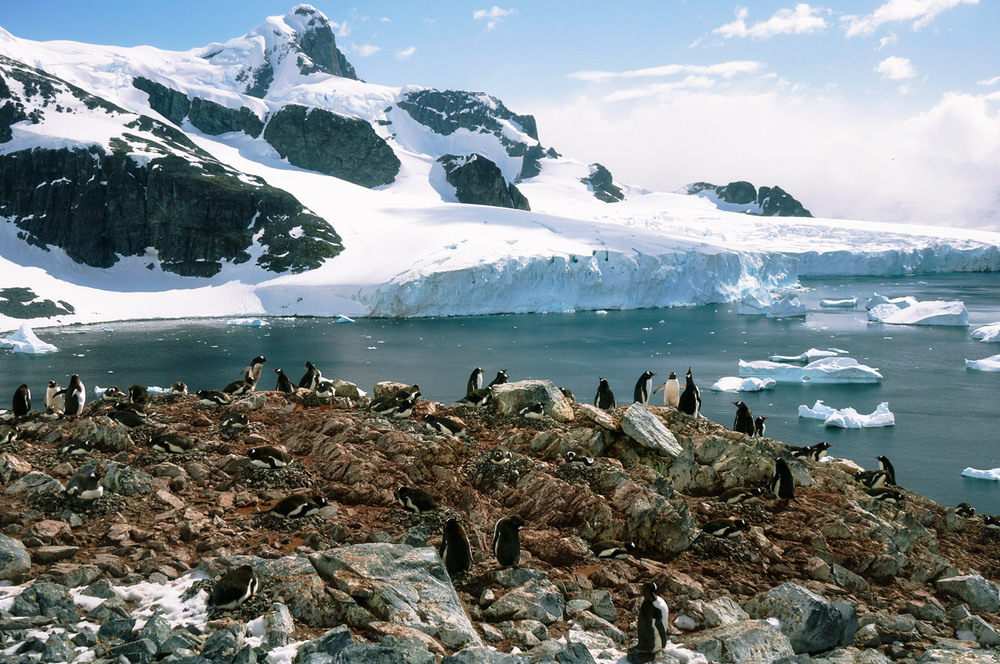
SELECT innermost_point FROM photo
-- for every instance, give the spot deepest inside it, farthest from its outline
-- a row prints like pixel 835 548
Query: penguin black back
pixel 22 402
pixel 651 626
pixel 76 396
pixel 643 388
pixel 744 419
pixel 284 384
pixel 782 485
pixel 507 540
pixel 605 398
pixel 501 378
pixel 690 400
pixel 455 551
pixel 416 500
pixel 234 587
pixel 759 427
pixel 310 379
pixel 886 465
pixel 475 380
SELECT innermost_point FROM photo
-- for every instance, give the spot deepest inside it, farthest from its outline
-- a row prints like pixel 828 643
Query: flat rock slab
pixel 646 429
pixel 977 592
pixel 509 398
pixel 44 555
pixel 747 642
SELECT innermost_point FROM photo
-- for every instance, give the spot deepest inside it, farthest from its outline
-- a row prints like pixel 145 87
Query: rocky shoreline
pixel 833 576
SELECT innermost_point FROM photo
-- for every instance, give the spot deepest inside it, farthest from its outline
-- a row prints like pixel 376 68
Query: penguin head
pixel 260 359
pixel 309 365
pixel 672 376
pixel 649 590
pixel 515 521
pixel 53 384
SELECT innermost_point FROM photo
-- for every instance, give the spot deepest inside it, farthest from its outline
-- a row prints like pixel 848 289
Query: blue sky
pixel 884 110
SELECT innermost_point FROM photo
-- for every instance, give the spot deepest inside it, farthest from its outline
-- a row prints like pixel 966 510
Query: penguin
pixel 21 403
pixel 138 395
pixel 178 389
pixel 128 418
pixel 403 408
pixel 886 465
pixel 446 425
pixel 725 527
pixel 234 421
pixel 383 406
pixel 613 549
pixel 256 367
pixel 477 398
pixel 55 400
pixel 501 378
pixel 240 387
pixel 507 540
pixel 284 385
pixel 872 479
pixel 114 393
pixel 782 485
pixel 234 587
pixel 76 396
pixel 991 521
pixel 498 455
pixel 605 398
pixel 643 388
pixel 7 433
pixel 965 510
pixel 671 391
pixel 758 425
pixel 885 495
pixel 416 500
pixel 297 506
pixel 651 624
pixel 811 453
pixel 568 393
pixel 533 411
pixel 690 399
pixel 78 446
pixel 410 393
pixel 174 443
pixel 577 456
pixel 213 397
pixel 455 551
pixel 740 495
pixel 131 407
pixel 86 486
pixel 325 388
pixel 744 419
pixel 269 457
pixel 475 381
pixel 310 379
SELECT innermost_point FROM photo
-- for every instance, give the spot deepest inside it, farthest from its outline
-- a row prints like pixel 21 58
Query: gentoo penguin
pixel 269 457
pixel 758 425
pixel 326 388
pixel 475 380
pixel 651 624
pixel 416 500
pixel 86 486
pixel 284 384
pixel 455 551
pixel 310 379
pixel 671 390
pixel 234 587
pixel 811 453
pixel 643 388
pixel 782 485
pixel 605 398
pixel 533 411
pixel 578 456
pixel 138 395
pixel 613 549
pixel 128 418
pixel 965 510
pixel 76 396
pixel 297 506
pixel 498 455
pixel 77 446
pixel 21 403
pixel 256 366
pixel 872 479
pixel 744 419
pixel 886 465
pixel 7 433
pixel 501 378
pixel 991 521
pixel 174 443
pixel 725 527
pixel 740 495
pixel 178 389
pixel 885 495
pixel 568 393
pixel 403 409
pixel 690 399
pixel 114 393
pixel 213 397
pixel 240 387
pixel 233 422
pixel 446 425
pixel 383 406
pixel 477 398
pixel 507 540
pixel 55 400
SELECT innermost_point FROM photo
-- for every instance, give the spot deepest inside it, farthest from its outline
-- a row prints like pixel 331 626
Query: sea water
pixel 946 416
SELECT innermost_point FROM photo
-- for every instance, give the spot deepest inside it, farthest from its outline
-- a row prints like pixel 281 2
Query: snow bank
pixel 787 306
pixel 988 333
pixel 736 384
pixel 809 355
pixel 826 370
pixel 928 312
pixel 991 474
pixel 991 363
pixel 848 418
pixel 845 304
pixel 25 341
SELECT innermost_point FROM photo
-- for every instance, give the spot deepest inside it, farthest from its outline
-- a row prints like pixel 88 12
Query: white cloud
pixel 385 19
pixel 888 40
pixel 342 28
pixel 406 53
pixel 920 12
pixel 990 81
pixel 494 15
pixel 365 50
pixel 802 19
pixel 722 69
pixel 895 68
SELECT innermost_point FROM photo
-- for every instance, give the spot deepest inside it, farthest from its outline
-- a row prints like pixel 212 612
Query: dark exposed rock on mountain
pixel 347 148
pixel 602 184
pixel 478 181
pixel 770 201
pixel 208 116
pixel 23 303
pixel 775 202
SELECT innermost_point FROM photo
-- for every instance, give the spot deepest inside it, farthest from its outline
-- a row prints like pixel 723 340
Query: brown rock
pixel 44 555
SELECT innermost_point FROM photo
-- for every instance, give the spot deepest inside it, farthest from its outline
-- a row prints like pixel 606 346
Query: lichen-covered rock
pixel 750 641
pixel 509 398
pixel 644 428
pixel 811 622
pixel 536 600
pixel 974 628
pixel 322 649
pixel 977 592
pixel 35 485
pixel 15 562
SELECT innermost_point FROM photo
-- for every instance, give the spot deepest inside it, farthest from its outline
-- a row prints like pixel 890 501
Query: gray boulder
pixel 125 480
pixel 811 622
pixel 974 628
pixel 509 398
pixel 324 648
pixel 750 641
pixel 482 656
pixel 34 485
pixel 942 656
pixel 15 561
pixel 46 599
pixel 536 600
pixel 974 590
pixel 644 428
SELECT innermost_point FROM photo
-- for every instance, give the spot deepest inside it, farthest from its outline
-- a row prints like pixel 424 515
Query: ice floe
pixel 809 355
pixel 26 341
pixel 991 363
pixel 990 474
pixel 250 322
pixel 928 312
pixel 825 370
pixel 736 384
pixel 756 302
pixel 843 304
pixel 849 418
pixel 787 306
pixel 901 302
pixel 988 333
pixel 344 319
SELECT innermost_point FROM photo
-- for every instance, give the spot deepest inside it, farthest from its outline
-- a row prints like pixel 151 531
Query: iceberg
pixel 26 341
pixel 845 304
pixel 849 418
pixel 988 333
pixel 825 370
pixel 787 306
pixel 991 363
pixel 809 355
pixel 756 302
pixel 901 302
pixel 344 319
pixel 928 312
pixel 736 384
pixel 991 474
pixel 250 322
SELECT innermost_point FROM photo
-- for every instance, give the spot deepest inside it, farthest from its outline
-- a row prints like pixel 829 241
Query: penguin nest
pixel 293 476
pixel 734 549
pixel 59 504
pixel 249 610
pixel 484 472
pixel 577 472
pixel 292 525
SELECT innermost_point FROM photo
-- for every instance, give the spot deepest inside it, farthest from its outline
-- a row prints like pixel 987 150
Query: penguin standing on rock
pixel 284 384
pixel 605 398
pixel 744 419
pixel 652 620
pixel 690 400
pixel 55 400
pixel 643 388
pixel 758 425
pixel 475 381
pixel 507 540
pixel 311 377
pixel 234 587
pixel 22 402
pixel 671 391
pixel 76 396
pixel 782 485
pixel 886 465
pixel 501 378
pixel 455 551
pixel 256 366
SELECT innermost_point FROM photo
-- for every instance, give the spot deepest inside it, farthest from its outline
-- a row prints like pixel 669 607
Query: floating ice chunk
pixel 107 328
pixel 848 418
pixel 901 302
pixel 26 341
pixel 809 355
pixel 344 319
pixel 844 304
pixel 991 474
pixel 819 411
pixel 736 384
pixel 988 333
pixel 928 312
pixel 156 389
pixel 825 370
pixel 991 363
pixel 755 303
pixel 787 306
pixel 251 322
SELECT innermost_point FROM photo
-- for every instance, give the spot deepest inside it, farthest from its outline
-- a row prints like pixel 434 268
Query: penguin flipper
pixel 659 388
pixel 661 628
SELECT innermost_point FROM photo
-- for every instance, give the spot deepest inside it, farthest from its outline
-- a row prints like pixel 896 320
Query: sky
pixel 887 110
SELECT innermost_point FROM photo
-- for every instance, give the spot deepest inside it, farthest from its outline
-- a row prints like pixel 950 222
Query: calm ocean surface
pixel 946 416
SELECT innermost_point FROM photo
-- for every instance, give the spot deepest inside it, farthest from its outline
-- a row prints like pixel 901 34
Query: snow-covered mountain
pixel 262 176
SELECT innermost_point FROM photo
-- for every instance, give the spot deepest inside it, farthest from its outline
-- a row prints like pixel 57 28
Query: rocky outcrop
pixel 766 201
pixel 775 202
pixel 19 302
pixel 478 181
pixel 602 184
pixel 344 147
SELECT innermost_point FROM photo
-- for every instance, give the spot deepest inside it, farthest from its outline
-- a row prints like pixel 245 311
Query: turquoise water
pixel 946 416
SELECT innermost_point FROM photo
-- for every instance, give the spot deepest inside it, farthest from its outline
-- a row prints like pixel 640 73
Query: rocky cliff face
pixel 478 181
pixel 767 201
pixel 602 184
